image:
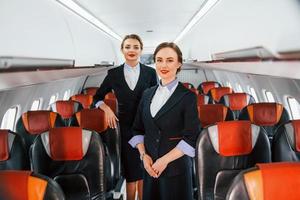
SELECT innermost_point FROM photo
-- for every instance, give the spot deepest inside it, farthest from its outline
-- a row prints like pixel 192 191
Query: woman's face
pixel 131 50
pixel 167 63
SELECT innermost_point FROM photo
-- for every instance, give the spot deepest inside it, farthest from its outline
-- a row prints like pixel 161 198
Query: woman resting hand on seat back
pixel 128 81
pixel 165 131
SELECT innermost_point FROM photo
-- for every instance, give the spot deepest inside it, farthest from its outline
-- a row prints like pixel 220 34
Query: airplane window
pixel 269 96
pixel 9 118
pixel 53 98
pixel 35 105
pixel 253 93
pixel 239 88
pixel 228 84
pixel 294 107
pixel 67 95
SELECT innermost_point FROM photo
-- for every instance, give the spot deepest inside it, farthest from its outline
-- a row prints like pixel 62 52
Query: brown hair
pixel 171 45
pixel 132 36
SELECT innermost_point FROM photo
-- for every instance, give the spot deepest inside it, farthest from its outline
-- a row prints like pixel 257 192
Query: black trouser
pixel 177 187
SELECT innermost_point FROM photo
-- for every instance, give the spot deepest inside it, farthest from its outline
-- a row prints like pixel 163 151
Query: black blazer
pixel 176 120
pixel 128 100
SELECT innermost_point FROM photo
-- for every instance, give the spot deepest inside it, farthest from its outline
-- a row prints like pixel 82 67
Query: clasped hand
pixel 154 169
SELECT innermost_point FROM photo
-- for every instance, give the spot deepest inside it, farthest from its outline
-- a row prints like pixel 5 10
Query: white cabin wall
pixel 24 96
pixel 46 29
pixel 281 88
pixel 236 24
pixel 94 81
pixel 91 46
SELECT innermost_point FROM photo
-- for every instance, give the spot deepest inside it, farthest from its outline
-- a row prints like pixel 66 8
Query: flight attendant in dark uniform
pixel 128 82
pixel 166 128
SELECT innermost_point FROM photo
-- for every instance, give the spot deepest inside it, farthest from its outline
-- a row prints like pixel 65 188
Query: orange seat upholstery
pixel 223 150
pixel 85 100
pixel 74 158
pixel 236 102
pixel 204 87
pixel 94 119
pixel 33 123
pixel 111 100
pixel 26 185
pixel 267 182
pixel 66 109
pixel 13 155
pixel 268 115
pixel 212 113
pixel 90 90
pixel 217 93
pixel 203 99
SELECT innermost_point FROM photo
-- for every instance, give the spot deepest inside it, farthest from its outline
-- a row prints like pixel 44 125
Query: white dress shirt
pixel 161 96
pixel 131 75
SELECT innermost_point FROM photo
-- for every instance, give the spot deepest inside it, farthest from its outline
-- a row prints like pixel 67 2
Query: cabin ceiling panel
pixel 237 24
pixel 27 29
pixel 287 69
pixel 166 18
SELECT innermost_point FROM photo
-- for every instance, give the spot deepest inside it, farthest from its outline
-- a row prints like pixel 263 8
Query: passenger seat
pixel 204 87
pixel 90 90
pixel 223 150
pixel 26 185
pixel 74 158
pixel 286 142
pixel 203 99
pixel 33 123
pixel 236 102
pixel 211 113
pixel 268 115
pixel 85 100
pixel 217 93
pixel 94 119
pixel 13 154
pixel 267 182
pixel 67 110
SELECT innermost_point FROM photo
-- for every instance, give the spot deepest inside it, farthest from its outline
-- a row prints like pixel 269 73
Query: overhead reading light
pixel 70 4
pixel 203 10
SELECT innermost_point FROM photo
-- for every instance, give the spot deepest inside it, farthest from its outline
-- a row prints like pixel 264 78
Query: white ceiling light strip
pixel 70 4
pixel 203 10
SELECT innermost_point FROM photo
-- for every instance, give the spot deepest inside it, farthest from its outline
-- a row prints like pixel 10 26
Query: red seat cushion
pixel 19 185
pixel 217 93
pixel 237 101
pixel 206 86
pixel 36 122
pixel 265 114
pixel 85 99
pixel 66 143
pixel 211 113
pixel 93 119
pixel 65 108
pixel 4 149
pixel 296 126
pixel 235 138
